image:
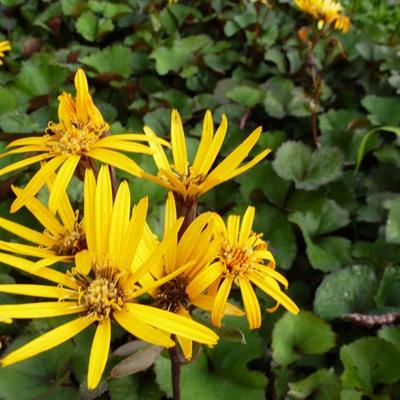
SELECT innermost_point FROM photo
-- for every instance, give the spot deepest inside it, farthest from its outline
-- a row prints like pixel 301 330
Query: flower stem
pixel 175 373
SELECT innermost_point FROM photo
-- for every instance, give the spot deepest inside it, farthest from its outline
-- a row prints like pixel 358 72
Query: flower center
pixel 71 242
pixel 74 139
pixel 236 259
pixel 103 294
pixel 172 295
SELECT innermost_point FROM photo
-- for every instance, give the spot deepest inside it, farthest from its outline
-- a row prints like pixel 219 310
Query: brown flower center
pixel 103 294
pixel 172 295
pixel 71 242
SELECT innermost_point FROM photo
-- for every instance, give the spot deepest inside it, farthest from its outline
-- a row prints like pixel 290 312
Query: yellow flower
pixel 63 236
pixel 243 260
pixel 5 45
pixel 103 285
pixel 190 181
pixel 78 138
pixel 326 12
pixel 185 258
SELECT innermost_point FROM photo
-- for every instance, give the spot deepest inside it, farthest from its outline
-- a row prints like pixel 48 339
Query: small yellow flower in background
pixel 63 236
pixel 186 258
pixel 190 180
pixel 243 260
pixel 77 138
pixel 326 12
pixel 5 45
pixel 103 285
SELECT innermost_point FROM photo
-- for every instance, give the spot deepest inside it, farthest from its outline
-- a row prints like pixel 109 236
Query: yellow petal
pixel 83 262
pixel 227 166
pixel 169 221
pixel 39 310
pixel 186 344
pixel 204 279
pixel 27 141
pixel 99 352
pixel 103 210
pixel 159 156
pixel 38 291
pixel 173 323
pixel 41 213
pixel 232 226
pixel 247 223
pixel 143 331
pixel 215 147
pixel 46 262
pixel 26 233
pixel 45 273
pixel 251 304
pixel 37 182
pixel 249 165
pixel 89 210
pixel 119 221
pixel 268 285
pixel 23 163
pixel 134 232
pixel 25 249
pixel 47 341
pixel 205 141
pixel 178 144
pixel 124 146
pixel 61 182
pixel 117 160
pixel 206 303
pixel 220 301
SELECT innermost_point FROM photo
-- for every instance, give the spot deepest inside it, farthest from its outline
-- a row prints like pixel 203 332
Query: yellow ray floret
pixel 327 12
pixel 190 180
pixel 184 260
pixel 243 259
pixel 103 285
pixel 5 45
pixel 62 237
pixel 78 138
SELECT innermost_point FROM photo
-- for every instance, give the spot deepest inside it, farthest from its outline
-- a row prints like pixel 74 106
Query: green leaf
pixel 124 388
pixel 390 334
pixel 350 395
pixel 199 382
pixel 369 361
pixel 345 291
pixel 174 57
pixel 86 25
pixel 117 60
pixel 246 95
pixel 383 110
pixel 282 241
pixel 388 293
pixel 230 359
pixel 321 385
pixel 296 335
pixel 38 377
pixel 278 95
pixel 8 100
pixel 362 148
pixel 18 122
pixel 392 229
pixel 295 161
pixel 37 79
pixel 329 253
pixel 323 217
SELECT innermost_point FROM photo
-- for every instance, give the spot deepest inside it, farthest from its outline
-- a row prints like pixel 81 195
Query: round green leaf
pixel 296 335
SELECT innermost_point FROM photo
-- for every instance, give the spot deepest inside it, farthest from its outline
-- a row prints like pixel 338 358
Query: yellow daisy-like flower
pixel 326 12
pixel 5 45
pixel 190 180
pixel 187 256
pixel 103 285
pixel 77 139
pixel 243 260
pixel 63 236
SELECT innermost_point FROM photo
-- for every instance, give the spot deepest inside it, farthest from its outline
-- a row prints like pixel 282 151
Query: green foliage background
pixel 331 215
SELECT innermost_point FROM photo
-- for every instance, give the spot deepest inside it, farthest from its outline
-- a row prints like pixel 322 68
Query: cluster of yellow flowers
pixel 327 12
pixel 5 45
pixel 112 255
